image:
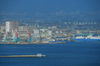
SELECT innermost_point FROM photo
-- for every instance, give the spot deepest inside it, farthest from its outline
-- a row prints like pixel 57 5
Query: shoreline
pixel 34 43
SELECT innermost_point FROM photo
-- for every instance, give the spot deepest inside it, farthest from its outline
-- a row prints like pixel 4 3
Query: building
pixel 11 27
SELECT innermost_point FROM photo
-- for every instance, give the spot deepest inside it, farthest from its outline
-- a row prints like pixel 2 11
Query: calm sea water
pixel 69 54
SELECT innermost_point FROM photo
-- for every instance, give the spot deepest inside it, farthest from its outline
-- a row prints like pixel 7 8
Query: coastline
pixel 35 43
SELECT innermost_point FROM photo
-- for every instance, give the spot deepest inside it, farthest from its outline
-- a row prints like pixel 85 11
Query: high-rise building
pixel 11 28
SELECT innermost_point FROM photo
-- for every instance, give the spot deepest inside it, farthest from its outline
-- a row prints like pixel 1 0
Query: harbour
pixel 14 33
pixel 49 32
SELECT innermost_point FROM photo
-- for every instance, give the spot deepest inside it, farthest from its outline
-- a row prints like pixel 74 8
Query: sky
pixel 51 8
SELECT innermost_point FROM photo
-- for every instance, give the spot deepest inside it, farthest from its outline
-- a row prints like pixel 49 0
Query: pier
pixel 37 55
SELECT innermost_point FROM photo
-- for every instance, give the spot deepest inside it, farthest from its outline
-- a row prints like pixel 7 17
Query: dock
pixel 37 55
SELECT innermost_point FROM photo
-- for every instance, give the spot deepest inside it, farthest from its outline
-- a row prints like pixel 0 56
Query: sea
pixel 84 53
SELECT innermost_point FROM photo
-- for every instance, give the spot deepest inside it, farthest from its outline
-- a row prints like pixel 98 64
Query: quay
pixel 37 55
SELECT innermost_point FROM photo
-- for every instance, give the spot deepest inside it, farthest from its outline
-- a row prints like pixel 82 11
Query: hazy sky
pixel 50 6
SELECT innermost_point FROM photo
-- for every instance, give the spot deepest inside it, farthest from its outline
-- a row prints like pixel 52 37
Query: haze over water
pixel 50 10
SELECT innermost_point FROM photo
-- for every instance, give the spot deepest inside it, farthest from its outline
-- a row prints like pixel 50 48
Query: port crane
pixel 30 37
pixel 15 37
pixel 4 38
